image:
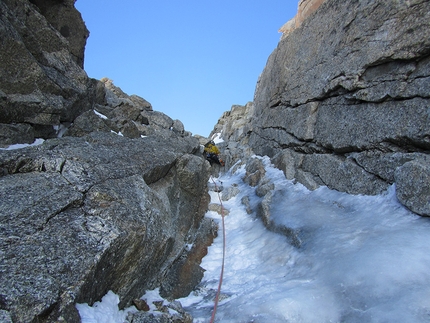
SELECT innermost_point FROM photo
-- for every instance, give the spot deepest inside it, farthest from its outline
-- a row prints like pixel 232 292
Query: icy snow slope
pixel 363 259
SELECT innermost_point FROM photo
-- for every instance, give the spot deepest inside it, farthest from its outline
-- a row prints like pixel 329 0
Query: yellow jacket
pixel 211 149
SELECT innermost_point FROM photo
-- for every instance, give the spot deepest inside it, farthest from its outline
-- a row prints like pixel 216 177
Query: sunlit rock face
pixel 343 100
pixel 305 9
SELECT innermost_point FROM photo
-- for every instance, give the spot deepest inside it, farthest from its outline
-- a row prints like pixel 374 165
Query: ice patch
pixel 217 138
pixel 61 129
pixel 100 115
pixel 363 259
pixel 37 142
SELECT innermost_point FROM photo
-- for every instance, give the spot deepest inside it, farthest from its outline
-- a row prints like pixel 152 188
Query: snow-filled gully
pixel 361 259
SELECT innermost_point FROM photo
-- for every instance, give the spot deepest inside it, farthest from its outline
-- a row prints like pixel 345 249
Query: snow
pixel 119 133
pixel 37 142
pixel 152 296
pixel 217 138
pixel 361 259
pixel 100 115
pixel 105 311
pixel 61 129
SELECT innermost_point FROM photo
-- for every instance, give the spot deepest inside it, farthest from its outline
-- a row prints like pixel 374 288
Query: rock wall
pixel 81 216
pixel 114 198
pixel 42 83
pixel 63 16
pixel 234 126
pixel 344 100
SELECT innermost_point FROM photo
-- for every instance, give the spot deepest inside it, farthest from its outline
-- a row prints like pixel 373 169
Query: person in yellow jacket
pixel 212 153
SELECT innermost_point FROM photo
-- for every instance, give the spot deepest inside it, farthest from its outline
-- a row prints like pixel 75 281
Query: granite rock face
pixel 63 16
pixel 42 83
pixel 130 115
pixel 81 216
pixel 114 198
pixel 344 100
pixel 234 127
pixel 413 190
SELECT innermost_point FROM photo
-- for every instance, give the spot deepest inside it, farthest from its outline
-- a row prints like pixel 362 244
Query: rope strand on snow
pixel 223 255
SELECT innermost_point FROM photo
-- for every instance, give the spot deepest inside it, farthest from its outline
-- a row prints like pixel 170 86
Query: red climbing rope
pixel 223 255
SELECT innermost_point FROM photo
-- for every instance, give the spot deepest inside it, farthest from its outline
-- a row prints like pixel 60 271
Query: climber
pixel 212 153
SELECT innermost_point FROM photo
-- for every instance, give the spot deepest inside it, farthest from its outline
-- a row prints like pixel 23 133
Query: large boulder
pixel 82 216
pixel 412 186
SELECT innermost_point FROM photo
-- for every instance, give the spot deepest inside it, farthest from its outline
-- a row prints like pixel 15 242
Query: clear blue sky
pixel 192 60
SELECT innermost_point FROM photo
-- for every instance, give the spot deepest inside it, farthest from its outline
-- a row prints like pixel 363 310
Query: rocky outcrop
pixel 43 88
pixel 234 127
pixel 343 100
pixel 81 216
pixel 42 83
pixel 128 115
pixel 114 198
pixel 63 16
